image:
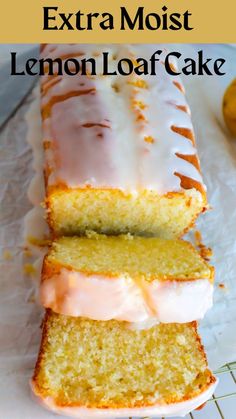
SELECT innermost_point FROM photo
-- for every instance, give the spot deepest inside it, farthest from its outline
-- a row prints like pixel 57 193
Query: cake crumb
pixel 139 104
pixel 115 87
pixel 149 139
pixel 29 269
pixel 38 242
pixel 7 255
pixel 205 252
pixel 140 117
pixel 198 237
pixel 222 286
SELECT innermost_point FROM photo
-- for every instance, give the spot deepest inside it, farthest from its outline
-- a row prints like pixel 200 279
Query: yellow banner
pixel 114 21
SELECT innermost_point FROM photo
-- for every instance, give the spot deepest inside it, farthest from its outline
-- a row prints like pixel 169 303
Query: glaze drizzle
pixel 126 132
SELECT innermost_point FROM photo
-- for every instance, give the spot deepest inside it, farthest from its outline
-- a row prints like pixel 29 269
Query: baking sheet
pixel 20 316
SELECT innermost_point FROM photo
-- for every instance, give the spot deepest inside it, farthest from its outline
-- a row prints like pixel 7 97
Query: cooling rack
pixel 223 403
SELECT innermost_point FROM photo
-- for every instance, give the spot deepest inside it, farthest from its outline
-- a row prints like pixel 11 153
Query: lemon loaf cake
pixel 91 368
pixel 120 150
pixel 126 277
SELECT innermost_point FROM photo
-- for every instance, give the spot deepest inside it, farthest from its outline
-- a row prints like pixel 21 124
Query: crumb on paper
pixel 38 242
pixel 205 252
pixel 29 269
pixel 222 286
pixel 197 237
pixel 7 255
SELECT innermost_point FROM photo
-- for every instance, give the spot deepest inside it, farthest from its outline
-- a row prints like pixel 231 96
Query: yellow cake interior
pixel 105 364
pixel 149 258
pixel 73 211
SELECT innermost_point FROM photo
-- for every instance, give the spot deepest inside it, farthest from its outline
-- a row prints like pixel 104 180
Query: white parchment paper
pixel 20 316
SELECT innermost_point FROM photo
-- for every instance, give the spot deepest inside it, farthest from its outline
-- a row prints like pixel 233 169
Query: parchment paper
pixel 20 316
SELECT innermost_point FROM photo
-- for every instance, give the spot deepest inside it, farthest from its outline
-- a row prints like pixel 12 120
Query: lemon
pixel 229 107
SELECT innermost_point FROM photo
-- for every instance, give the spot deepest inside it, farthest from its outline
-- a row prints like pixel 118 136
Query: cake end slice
pixel 95 368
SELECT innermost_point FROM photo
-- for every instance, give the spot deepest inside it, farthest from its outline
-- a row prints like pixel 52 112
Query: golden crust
pixel 42 349
pixel 50 269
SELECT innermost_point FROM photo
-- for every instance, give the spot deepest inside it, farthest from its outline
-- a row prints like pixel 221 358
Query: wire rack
pixel 223 403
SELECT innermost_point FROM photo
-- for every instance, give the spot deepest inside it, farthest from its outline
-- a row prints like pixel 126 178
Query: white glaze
pixel 124 298
pixel 35 225
pixel 121 158
pixel 167 410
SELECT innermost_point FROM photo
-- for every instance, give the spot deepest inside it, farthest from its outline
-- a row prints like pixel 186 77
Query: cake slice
pixel 129 278
pixel 120 150
pixel 88 368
